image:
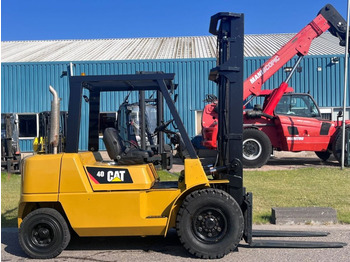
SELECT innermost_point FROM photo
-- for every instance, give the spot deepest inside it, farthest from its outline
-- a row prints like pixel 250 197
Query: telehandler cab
pixel 76 191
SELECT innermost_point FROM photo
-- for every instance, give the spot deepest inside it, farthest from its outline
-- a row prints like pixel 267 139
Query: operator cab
pixel 302 105
pixel 98 89
pixel 291 104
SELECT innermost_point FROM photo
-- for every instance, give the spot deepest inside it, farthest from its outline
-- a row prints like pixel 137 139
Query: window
pixel 326 113
pixel 28 125
pixel 198 119
pixel 255 102
pixel 107 120
pixel 297 105
pixel 3 126
pixel 9 124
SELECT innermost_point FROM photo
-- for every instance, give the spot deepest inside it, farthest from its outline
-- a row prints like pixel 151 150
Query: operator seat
pixel 122 154
pixel 282 106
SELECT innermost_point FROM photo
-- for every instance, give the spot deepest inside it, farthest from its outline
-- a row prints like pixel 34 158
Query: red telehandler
pixel 287 121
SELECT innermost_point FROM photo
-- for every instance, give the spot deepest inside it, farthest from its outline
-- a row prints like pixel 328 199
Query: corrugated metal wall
pixel 24 86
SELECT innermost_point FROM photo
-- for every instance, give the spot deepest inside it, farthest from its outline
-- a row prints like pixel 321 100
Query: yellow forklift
pixel 78 191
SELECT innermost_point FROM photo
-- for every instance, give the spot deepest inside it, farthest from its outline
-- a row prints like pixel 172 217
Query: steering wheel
pixel 210 98
pixel 163 127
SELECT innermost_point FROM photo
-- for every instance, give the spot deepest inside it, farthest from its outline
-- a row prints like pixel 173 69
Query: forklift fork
pixel 290 243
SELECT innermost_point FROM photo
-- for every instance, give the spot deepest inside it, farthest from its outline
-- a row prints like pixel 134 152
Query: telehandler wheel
pixel 44 233
pixel 256 148
pixel 337 145
pixel 323 155
pixel 209 223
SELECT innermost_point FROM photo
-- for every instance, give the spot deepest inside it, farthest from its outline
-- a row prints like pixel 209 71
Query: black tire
pixel 337 145
pixel 323 155
pixel 44 233
pixel 256 148
pixel 209 223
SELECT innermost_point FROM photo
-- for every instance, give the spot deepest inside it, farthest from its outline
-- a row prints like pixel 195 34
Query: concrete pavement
pixel 170 249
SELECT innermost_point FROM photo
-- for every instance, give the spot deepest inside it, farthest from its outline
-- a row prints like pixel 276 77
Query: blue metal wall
pixel 24 86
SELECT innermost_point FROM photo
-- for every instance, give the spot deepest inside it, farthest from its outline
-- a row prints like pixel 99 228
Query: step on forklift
pixel 208 206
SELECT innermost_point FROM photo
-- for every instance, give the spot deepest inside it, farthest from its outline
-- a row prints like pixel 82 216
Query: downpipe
pixel 55 120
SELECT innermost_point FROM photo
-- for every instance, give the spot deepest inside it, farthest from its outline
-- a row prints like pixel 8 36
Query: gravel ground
pixel 170 249
pixel 279 161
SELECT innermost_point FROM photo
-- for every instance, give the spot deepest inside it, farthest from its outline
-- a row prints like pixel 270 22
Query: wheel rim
pixel 251 149
pixel 209 224
pixel 43 235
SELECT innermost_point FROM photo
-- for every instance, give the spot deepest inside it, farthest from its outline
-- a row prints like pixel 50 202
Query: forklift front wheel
pixel 44 233
pixel 209 223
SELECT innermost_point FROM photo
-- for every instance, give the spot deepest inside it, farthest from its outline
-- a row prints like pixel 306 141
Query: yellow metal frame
pixel 115 209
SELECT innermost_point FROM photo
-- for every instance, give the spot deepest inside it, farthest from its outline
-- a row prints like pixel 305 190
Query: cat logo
pixel 108 175
pixel 116 176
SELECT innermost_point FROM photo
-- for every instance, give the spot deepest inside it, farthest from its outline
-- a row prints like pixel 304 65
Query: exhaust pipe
pixel 55 120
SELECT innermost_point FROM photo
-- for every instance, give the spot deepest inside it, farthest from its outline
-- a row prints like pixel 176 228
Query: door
pixel 301 125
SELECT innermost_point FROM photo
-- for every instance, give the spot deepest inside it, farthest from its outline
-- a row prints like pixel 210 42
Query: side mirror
pixel 175 97
pixel 339 115
pixel 87 100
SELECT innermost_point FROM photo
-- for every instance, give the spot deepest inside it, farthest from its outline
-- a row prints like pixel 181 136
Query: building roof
pixel 151 48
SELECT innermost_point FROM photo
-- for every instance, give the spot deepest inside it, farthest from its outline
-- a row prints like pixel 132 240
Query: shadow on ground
pixel 169 245
pixel 298 160
pixel 7 219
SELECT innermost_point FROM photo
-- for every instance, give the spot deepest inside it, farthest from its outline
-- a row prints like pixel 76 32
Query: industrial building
pixel 29 67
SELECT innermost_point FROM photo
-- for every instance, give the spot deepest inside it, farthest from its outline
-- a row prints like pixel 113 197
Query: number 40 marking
pixel 100 174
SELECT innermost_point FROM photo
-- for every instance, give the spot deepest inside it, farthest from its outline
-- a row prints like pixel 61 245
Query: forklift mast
pixel 229 29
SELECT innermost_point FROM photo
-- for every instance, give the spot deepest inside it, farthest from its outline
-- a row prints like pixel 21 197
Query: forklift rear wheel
pixel 323 155
pixel 256 148
pixel 210 223
pixel 44 233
